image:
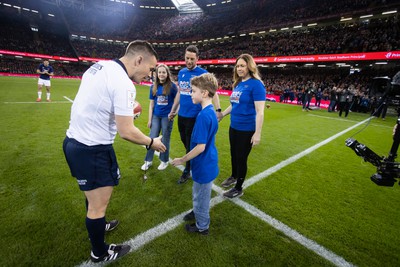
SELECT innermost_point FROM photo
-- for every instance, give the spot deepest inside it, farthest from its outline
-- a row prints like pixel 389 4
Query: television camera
pixel 387 169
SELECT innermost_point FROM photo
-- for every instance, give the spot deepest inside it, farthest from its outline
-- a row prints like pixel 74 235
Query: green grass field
pixel 326 195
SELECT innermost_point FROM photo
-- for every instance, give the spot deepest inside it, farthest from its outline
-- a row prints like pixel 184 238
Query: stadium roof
pixel 112 6
pixel 186 6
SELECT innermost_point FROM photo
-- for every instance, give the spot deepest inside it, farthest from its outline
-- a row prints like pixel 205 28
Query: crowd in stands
pixel 256 15
pixel 10 65
pixel 21 66
pixel 17 35
pixel 371 36
pixel 378 34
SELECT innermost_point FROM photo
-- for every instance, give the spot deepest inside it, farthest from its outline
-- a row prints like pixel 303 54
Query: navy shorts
pixel 92 166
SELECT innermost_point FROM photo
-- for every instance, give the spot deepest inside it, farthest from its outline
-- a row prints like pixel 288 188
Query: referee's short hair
pixel 140 46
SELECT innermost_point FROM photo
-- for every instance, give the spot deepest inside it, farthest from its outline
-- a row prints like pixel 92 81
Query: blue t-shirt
pixel 163 103
pixel 42 68
pixel 187 109
pixel 243 114
pixel 205 165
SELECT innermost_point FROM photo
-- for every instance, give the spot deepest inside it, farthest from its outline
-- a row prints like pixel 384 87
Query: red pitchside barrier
pixel 276 98
pixel 372 56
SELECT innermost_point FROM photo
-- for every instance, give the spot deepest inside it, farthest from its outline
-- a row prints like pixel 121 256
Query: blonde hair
pixel 251 65
pixel 206 81
pixel 166 85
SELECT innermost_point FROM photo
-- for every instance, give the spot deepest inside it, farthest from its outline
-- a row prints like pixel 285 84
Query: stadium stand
pixel 95 31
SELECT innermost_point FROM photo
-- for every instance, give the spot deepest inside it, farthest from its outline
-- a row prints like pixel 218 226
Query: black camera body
pixel 384 89
pixel 388 170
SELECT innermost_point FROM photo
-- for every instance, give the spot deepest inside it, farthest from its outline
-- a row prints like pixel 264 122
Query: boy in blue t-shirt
pixel 187 110
pixel 203 152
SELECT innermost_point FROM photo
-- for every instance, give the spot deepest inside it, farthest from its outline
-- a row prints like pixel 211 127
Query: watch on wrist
pixel 218 110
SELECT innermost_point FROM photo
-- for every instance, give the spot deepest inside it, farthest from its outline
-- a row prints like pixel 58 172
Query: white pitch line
pixel 34 102
pixel 293 234
pixel 331 118
pixel 346 120
pixel 292 159
pixel 164 227
pixel 69 99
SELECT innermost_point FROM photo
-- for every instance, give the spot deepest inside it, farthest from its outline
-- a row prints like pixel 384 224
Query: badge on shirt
pixel 131 98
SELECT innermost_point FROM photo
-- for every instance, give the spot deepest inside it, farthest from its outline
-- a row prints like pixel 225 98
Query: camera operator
pixel 333 99
pixel 345 99
pixel 382 107
pixel 308 95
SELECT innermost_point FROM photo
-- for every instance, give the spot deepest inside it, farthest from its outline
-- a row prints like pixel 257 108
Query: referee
pixel 102 107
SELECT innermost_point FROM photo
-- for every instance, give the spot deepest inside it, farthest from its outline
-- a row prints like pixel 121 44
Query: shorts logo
pixel 82 182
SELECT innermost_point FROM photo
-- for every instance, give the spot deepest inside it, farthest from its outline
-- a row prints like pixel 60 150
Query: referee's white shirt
pixel 105 91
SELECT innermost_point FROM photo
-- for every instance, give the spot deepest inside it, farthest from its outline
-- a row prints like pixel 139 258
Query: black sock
pixel 239 183
pixel 96 230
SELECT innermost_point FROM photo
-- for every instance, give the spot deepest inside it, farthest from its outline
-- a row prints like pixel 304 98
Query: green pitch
pixel 326 195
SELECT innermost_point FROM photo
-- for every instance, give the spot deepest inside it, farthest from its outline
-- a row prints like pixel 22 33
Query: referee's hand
pixel 158 145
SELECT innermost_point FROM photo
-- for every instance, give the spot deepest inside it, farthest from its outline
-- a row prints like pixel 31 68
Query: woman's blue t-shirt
pixel 205 165
pixel 243 114
pixel 163 103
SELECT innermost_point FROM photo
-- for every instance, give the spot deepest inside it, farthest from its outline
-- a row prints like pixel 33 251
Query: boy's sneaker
pixel 163 165
pixel 233 192
pixel 114 252
pixel 192 228
pixel 111 225
pixel 184 177
pixel 228 182
pixel 38 99
pixel 146 165
pixel 189 216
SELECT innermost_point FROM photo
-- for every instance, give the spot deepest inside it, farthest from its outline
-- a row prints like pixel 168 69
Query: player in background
pixel 45 71
pixel 187 110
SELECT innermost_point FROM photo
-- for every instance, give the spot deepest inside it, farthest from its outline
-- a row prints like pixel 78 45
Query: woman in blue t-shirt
pixel 247 117
pixel 162 95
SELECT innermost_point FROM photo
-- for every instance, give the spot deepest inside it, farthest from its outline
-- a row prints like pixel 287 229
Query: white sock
pixel 39 94
pixel 48 95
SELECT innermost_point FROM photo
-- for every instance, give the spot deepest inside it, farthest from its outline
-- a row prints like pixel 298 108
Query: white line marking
pixel 146 237
pixel 292 159
pixel 44 102
pixel 346 120
pixel 293 234
pixel 331 118
pixel 69 99
pixel 164 227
